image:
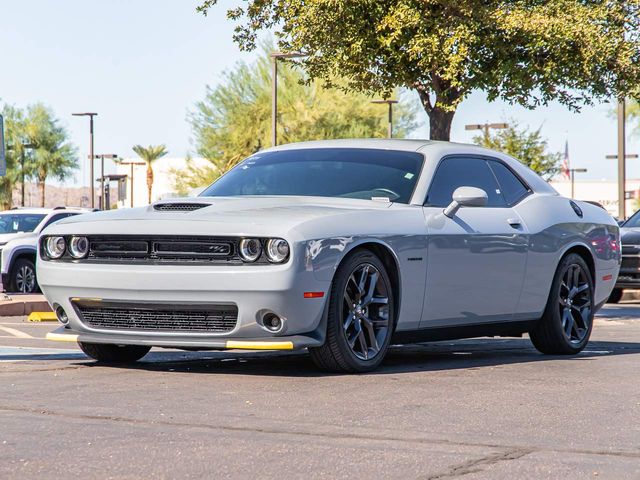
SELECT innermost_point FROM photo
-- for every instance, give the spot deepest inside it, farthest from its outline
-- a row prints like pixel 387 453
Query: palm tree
pixel 150 154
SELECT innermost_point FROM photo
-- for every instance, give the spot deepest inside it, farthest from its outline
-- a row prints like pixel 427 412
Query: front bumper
pixel 254 289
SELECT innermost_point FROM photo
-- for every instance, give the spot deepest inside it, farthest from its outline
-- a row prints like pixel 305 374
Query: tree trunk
pixel 440 124
pixel 41 185
pixel 433 97
pixel 149 181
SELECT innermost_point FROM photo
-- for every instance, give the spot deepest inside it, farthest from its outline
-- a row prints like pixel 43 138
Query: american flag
pixel 565 161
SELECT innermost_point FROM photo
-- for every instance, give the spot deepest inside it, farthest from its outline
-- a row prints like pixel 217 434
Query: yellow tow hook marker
pixel 244 345
pixel 61 337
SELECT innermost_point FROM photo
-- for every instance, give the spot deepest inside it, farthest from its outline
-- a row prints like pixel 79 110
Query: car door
pixel 476 259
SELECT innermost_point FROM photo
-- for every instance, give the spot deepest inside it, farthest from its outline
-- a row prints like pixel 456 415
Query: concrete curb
pixel 17 305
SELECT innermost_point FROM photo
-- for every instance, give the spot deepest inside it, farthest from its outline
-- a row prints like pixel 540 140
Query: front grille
pixel 630 263
pixel 162 249
pixel 158 318
pixel 630 250
pixel 179 207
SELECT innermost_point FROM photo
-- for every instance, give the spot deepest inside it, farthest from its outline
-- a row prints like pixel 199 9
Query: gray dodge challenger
pixel 340 247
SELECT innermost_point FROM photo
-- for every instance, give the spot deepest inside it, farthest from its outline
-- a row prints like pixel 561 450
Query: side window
pixel 512 188
pixel 454 172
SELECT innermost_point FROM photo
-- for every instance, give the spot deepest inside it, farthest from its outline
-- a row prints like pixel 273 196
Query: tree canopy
pixel 528 52
pixel 49 153
pixel 527 146
pixel 150 154
pixel 233 120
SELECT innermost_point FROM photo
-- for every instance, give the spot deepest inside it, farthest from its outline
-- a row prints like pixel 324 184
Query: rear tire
pixel 565 326
pixel 360 316
pixel 616 295
pixel 107 353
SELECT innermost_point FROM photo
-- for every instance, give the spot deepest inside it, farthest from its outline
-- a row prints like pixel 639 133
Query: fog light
pixel 272 322
pixel 62 315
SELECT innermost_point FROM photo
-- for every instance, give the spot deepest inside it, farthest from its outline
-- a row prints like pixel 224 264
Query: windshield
pixel 324 172
pixel 19 222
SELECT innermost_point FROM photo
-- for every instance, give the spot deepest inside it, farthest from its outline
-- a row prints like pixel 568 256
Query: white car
pixel 19 231
pixel 341 247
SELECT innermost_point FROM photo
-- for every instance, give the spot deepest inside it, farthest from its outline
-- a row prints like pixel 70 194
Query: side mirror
pixel 466 197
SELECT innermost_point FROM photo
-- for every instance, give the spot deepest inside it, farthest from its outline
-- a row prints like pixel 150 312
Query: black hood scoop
pixel 179 206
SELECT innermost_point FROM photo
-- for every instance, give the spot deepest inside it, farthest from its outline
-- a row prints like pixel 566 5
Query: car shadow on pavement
pixel 424 357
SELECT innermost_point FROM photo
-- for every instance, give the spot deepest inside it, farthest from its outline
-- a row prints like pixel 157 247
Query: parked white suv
pixel 19 230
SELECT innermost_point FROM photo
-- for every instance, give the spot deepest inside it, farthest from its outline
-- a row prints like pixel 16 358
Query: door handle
pixel 514 222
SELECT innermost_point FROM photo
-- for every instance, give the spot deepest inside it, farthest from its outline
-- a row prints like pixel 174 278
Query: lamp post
pixel 132 165
pixel 102 157
pixel 275 56
pixel 572 172
pixel 622 158
pixel 486 126
pixel 91 156
pixel 24 147
pixel 390 121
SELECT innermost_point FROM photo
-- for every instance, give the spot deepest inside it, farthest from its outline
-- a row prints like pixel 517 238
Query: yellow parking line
pixel 259 345
pixel 42 317
pixel 61 337
pixel 15 333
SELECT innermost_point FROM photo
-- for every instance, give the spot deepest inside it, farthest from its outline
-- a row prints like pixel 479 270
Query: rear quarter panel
pixel 555 229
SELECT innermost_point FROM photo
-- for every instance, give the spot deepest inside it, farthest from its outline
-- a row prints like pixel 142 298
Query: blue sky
pixel 142 64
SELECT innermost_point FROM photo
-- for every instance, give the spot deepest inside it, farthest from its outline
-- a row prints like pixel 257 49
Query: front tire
pixel 360 316
pixel 107 353
pixel 23 277
pixel 616 296
pixel 566 324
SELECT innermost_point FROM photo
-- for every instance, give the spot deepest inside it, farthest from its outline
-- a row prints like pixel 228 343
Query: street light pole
pixel 390 120
pixel 24 147
pixel 572 172
pixel 486 126
pixel 622 156
pixel 132 165
pixel 102 157
pixel 91 156
pixel 275 56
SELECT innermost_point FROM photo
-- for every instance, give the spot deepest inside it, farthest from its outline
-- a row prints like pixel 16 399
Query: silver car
pixel 341 247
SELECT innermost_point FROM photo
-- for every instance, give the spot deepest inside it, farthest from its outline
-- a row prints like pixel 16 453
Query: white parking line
pixel 15 333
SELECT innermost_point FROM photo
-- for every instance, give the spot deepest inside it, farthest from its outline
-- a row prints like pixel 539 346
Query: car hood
pixel 7 237
pixel 630 236
pixel 223 215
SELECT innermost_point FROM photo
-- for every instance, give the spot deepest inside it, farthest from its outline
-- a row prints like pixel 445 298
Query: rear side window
pixel 512 188
pixel 454 172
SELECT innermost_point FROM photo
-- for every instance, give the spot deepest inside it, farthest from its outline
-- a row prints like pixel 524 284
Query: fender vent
pixel 179 207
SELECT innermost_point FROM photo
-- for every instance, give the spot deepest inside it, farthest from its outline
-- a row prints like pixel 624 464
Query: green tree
pixel 525 145
pixel 233 121
pixel 522 51
pixel 14 142
pixel 53 155
pixel 150 154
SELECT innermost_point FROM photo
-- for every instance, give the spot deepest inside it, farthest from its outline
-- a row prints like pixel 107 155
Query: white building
pixel 164 171
pixel 604 192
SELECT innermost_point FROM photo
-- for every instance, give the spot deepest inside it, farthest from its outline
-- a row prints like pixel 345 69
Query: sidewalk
pixel 17 304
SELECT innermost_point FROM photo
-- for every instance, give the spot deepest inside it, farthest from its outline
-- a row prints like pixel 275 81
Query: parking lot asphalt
pixel 481 408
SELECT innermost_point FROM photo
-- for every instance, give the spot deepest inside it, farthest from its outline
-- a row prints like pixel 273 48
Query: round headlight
pixel 54 247
pixel 250 249
pixel 79 247
pixel 277 250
